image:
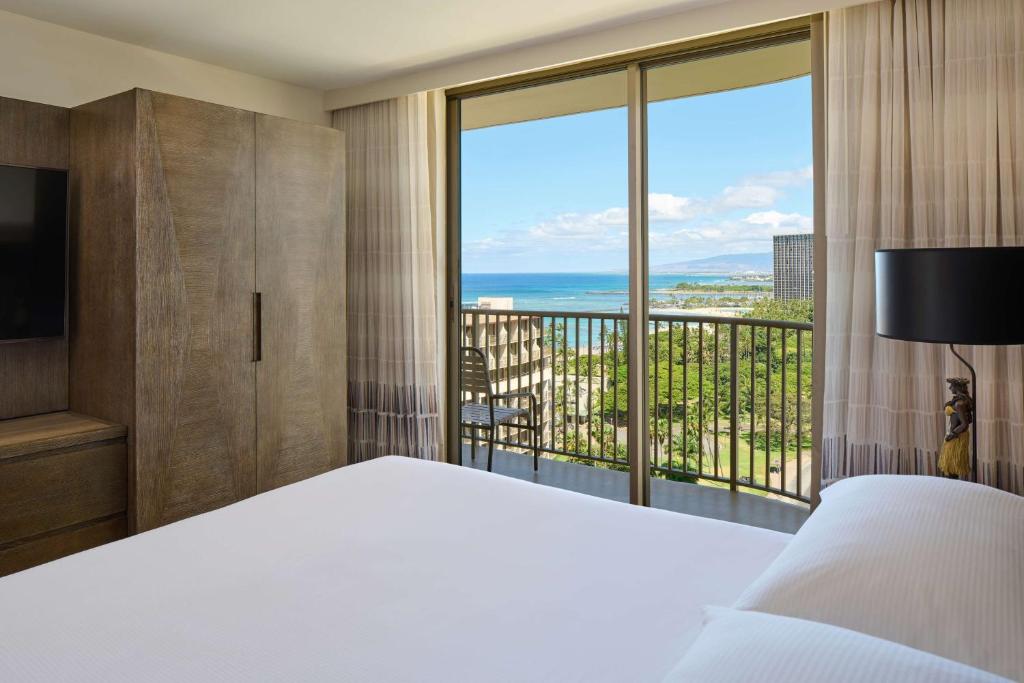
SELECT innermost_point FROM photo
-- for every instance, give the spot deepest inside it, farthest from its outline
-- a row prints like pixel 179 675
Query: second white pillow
pixel 737 647
pixel 934 564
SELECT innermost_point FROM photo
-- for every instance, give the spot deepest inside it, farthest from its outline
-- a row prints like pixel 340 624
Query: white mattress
pixel 392 570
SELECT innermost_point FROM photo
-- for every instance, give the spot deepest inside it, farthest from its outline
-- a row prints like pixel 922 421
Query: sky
pixel 727 171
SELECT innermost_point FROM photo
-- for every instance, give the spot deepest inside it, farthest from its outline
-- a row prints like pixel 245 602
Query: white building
pixel 516 354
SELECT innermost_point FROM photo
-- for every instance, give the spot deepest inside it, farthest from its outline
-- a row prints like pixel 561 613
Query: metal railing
pixel 729 397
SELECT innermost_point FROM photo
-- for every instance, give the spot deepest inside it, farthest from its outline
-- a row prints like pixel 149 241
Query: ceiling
pixel 730 71
pixel 327 44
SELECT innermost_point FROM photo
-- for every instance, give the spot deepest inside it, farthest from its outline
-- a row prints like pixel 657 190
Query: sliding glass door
pixel 730 234
pixel 544 279
pixel 632 256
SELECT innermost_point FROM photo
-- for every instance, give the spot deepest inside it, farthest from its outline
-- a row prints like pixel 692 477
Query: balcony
pixel 729 410
pixel 703 501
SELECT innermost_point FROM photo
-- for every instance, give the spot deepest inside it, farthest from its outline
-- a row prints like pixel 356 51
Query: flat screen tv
pixel 33 252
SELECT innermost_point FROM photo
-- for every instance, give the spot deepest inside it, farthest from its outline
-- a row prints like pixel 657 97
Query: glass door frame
pixel 636 65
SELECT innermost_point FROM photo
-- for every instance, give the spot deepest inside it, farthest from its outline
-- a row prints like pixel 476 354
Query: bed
pixel 390 570
pixel 404 570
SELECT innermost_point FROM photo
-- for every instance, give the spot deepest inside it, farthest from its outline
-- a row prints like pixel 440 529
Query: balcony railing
pixel 729 398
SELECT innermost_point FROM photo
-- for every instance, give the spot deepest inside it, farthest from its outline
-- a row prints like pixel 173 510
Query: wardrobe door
pixel 195 375
pixel 300 274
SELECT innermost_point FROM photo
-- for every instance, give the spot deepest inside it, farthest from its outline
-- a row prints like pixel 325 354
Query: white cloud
pixel 763 190
pixel 668 207
pixel 730 236
pixel 569 232
pixel 693 226
pixel 749 196
pixel 597 231
pixel 784 222
pixel 613 216
pixel 583 231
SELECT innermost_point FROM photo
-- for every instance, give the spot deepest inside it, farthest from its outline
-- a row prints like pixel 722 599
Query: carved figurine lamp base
pixel 952 296
pixel 955 454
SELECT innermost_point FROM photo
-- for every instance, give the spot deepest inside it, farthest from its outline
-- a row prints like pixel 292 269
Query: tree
pixel 685 388
pixel 790 310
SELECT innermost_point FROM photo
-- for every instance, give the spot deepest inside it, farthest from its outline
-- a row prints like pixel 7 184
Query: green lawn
pixel 744 460
pixel 759 460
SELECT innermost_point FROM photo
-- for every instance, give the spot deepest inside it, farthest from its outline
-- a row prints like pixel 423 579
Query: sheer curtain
pixel 925 149
pixel 395 212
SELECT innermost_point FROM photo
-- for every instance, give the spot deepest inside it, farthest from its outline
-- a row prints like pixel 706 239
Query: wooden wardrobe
pixel 208 306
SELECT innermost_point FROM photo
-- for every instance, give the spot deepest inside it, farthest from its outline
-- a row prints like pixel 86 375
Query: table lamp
pixel 965 295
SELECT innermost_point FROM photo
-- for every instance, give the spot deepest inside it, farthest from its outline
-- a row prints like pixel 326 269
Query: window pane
pixel 730 234
pixel 544 281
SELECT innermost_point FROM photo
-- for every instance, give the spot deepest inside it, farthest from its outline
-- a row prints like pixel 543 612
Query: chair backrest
pixel 475 377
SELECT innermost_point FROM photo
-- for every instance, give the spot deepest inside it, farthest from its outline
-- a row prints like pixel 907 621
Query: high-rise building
pixel 793 257
pixel 516 355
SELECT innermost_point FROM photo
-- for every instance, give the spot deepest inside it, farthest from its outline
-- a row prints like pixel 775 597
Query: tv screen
pixel 33 252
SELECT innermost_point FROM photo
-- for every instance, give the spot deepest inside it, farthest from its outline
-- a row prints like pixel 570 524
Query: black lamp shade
pixel 950 296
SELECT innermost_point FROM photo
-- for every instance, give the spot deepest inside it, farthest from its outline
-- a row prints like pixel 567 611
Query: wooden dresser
pixel 63 487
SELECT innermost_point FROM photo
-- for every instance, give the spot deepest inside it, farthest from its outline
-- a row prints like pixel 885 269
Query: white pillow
pixel 751 646
pixel 935 564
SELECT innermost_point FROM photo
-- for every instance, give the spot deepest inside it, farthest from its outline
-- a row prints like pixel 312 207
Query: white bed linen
pixel 935 564
pixel 777 648
pixel 391 570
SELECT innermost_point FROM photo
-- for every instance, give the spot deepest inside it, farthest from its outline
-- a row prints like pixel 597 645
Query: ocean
pixel 593 292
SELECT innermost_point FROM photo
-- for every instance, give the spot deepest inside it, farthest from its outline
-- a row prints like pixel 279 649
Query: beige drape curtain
pixel 395 211
pixel 925 149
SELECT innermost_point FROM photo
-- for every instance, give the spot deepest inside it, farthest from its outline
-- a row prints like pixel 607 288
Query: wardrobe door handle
pixel 257 327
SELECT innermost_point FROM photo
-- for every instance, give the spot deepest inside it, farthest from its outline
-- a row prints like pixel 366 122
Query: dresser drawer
pixel 47 491
pixel 49 547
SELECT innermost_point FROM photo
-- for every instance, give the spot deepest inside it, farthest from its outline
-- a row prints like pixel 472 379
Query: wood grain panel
pixel 28 435
pixel 33 134
pixel 300 230
pixel 195 382
pixel 34 375
pixel 53 490
pixel 37 550
pixel 102 246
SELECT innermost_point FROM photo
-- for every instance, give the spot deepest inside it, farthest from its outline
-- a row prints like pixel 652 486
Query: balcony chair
pixel 476 380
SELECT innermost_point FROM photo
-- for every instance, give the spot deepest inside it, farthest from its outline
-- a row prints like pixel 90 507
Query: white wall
pixel 43 62
pixel 692 23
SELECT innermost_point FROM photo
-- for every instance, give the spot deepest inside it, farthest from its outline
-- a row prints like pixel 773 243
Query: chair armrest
pixel 517 394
